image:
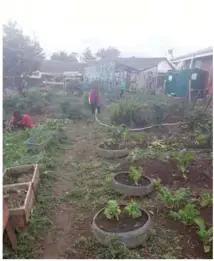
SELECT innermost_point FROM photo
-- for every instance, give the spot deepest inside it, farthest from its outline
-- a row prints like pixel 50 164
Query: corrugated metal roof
pixel 189 55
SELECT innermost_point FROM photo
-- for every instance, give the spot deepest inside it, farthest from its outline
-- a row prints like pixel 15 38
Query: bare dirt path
pixel 62 234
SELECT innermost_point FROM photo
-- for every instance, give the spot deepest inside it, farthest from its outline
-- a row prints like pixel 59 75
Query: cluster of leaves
pixel 135 174
pixel 184 158
pixel 113 211
pixel 186 214
pixel 189 215
pixel 138 153
pixel 124 112
pixel 172 200
pixel 162 145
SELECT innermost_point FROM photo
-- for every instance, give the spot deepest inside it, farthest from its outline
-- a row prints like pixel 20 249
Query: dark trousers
pixel 95 106
pixel 121 93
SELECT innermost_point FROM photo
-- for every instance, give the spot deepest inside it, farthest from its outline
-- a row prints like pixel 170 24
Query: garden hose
pixel 145 128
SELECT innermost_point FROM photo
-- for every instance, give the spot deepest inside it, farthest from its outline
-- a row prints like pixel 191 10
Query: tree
pixel 88 56
pixel 110 52
pixel 63 56
pixel 21 55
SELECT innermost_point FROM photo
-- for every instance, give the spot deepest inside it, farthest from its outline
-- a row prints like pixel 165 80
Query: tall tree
pixel 21 55
pixel 87 56
pixel 110 52
pixel 63 56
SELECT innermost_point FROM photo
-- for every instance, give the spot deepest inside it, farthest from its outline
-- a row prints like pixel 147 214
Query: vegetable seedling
pixel 133 209
pixel 184 158
pixel 186 215
pixel 135 174
pixel 112 211
pixel 206 236
pixel 206 199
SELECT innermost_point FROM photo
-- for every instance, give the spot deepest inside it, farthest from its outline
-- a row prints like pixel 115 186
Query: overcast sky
pixel 136 27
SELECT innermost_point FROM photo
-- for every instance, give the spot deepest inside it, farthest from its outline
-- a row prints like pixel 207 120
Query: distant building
pixel 202 59
pixel 141 72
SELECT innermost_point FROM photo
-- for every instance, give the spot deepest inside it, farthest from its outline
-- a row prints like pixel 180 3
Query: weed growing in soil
pixel 112 211
pixel 133 209
pixel 206 236
pixel 186 215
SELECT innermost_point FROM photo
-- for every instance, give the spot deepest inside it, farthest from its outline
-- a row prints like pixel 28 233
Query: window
pixel 198 64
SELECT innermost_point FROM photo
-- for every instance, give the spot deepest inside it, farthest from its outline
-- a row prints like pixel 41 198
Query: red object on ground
pixel 92 96
pixel 25 121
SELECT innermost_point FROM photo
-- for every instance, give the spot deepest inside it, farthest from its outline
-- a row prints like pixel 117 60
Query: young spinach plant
pixel 206 199
pixel 184 158
pixel 206 236
pixel 172 200
pixel 112 211
pixel 135 174
pixel 133 209
pixel 186 215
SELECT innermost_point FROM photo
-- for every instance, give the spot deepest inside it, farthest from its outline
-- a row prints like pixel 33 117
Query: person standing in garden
pixel 122 88
pixel 94 100
pixel 21 121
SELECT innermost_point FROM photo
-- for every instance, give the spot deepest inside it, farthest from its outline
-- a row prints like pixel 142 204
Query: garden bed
pixel 22 174
pixel 129 231
pixel 20 200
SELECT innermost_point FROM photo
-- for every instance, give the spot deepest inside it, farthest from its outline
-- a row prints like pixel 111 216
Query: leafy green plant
pixel 135 174
pixel 109 142
pixel 133 209
pixel 206 199
pixel 187 214
pixel 138 153
pixel 184 158
pixel 140 137
pixel 174 199
pixel 201 139
pixel 112 211
pixel 206 236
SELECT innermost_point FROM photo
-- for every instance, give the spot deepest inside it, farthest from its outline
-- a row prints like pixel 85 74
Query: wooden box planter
pixel 22 174
pixel 20 200
pixel 110 153
pixel 129 189
pixel 132 238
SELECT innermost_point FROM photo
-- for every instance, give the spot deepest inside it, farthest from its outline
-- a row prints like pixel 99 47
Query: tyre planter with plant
pixel 117 151
pixel 129 224
pixel 22 174
pixel 20 200
pixel 132 183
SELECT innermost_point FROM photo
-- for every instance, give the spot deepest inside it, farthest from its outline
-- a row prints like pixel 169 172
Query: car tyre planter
pixel 110 154
pixel 131 239
pixel 128 190
pixel 31 173
pixel 20 215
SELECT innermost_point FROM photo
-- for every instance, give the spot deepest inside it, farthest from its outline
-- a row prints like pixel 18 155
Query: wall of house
pixel 145 77
pixel 100 71
pixel 164 67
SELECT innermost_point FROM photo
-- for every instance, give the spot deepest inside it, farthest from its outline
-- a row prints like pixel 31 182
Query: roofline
pixel 193 56
pixel 164 58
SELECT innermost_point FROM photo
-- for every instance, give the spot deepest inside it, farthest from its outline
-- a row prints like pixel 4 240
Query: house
pixel 137 71
pixel 202 59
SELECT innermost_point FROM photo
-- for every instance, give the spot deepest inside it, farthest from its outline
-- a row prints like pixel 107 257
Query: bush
pixel 125 112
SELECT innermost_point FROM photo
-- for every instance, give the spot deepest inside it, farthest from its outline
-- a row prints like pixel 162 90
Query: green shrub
pixel 125 112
